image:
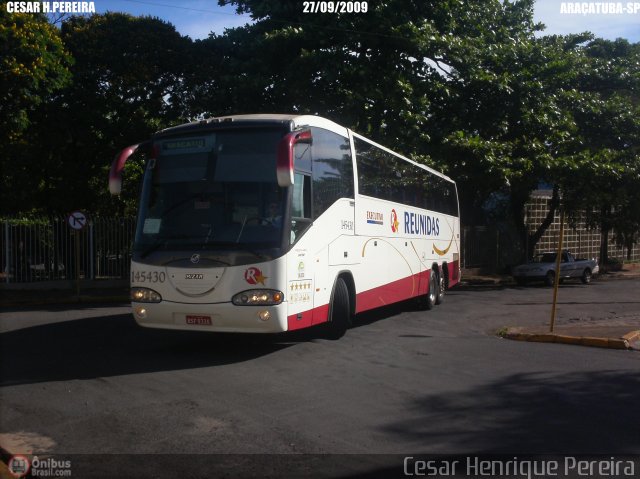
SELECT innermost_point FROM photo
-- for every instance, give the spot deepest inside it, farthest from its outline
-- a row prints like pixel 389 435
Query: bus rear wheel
pixel 340 313
pixel 428 301
pixel 442 287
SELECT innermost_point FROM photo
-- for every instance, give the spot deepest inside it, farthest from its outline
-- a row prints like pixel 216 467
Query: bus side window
pixel 300 205
pixel 332 169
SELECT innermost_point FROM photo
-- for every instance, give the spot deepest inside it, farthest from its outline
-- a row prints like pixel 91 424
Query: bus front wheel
pixel 340 314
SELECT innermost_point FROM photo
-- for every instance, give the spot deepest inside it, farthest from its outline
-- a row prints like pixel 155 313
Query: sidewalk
pixel 610 336
pixel 614 334
pixel 478 280
pixel 624 334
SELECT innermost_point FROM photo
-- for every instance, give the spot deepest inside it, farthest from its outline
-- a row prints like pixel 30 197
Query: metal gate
pixel 44 249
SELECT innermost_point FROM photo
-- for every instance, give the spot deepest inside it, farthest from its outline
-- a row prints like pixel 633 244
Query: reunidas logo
pixel 395 224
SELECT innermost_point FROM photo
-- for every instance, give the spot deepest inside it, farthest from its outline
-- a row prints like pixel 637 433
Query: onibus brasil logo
pixel 20 466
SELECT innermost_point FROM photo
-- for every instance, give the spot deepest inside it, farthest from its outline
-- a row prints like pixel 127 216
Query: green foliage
pixel 33 65
pixel 607 114
pixel 124 88
pixel 466 87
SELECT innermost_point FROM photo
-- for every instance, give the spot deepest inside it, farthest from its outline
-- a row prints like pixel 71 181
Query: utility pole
pixel 556 281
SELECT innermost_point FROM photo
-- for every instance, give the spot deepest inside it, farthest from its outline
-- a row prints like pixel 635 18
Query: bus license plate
pixel 199 320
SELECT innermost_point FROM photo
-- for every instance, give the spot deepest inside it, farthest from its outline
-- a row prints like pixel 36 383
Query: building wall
pixel 579 240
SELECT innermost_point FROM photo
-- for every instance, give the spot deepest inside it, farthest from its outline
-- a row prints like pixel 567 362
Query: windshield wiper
pixel 180 203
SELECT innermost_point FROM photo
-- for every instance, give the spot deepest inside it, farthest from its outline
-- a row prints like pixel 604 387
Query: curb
pixel 504 281
pixel 628 341
pixel 633 340
pixel 5 457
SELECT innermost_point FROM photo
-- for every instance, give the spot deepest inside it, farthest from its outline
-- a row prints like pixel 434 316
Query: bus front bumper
pixel 219 317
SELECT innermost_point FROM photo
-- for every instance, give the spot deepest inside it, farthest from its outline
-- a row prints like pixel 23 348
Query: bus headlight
pixel 257 297
pixel 145 295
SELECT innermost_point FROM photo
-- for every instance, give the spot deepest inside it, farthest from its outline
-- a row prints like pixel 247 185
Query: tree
pixel 124 88
pixel 34 66
pixel 467 88
pixel 403 74
pixel 607 114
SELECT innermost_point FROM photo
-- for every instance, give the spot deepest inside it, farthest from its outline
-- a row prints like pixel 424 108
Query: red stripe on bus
pixel 400 290
pixel 389 293
pixel 308 318
pixel 454 273
pixel 393 292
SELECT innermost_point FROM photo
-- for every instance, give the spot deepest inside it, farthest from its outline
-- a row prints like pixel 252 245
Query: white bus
pixel 270 223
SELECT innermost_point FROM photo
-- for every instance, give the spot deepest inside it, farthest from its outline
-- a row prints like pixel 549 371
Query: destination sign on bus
pixel 183 144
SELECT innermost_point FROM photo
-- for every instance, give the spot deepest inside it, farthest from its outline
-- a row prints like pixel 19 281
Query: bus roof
pixel 293 121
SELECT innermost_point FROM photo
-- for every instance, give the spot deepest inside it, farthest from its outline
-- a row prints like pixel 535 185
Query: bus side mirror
pixel 284 161
pixel 117 167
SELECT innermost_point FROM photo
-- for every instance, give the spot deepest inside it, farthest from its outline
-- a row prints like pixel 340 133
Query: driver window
pixel 300 205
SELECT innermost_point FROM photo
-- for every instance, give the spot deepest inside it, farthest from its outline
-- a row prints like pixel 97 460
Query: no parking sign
pixel 77 220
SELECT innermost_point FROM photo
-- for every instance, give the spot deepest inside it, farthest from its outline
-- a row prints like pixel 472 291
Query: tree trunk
pixel 605 228
pixel 548 221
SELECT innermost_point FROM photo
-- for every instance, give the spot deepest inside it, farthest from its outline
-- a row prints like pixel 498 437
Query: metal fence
pixel 45 249
pixel 490 248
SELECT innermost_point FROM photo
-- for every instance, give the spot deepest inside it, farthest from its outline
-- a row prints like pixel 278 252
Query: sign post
pixel 77 220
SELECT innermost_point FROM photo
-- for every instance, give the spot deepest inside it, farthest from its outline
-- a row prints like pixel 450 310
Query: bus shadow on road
pixel 115 345
pixel 385 312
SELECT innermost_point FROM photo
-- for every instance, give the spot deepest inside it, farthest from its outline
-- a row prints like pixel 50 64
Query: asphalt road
pixel 89 381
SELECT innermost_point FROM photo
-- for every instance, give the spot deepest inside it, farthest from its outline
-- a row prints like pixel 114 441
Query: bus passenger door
pixel 300 264
pixel 339 253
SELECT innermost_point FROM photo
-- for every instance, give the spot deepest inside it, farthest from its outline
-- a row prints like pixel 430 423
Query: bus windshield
pixel 216 191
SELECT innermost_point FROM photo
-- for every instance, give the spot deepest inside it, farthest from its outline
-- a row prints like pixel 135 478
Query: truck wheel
pixel 549 279
pixel 340 313
pixel 586 276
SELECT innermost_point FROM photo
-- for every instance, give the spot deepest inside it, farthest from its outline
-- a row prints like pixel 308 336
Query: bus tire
pixel 340 312
pixel 442 287
pixel 428 301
